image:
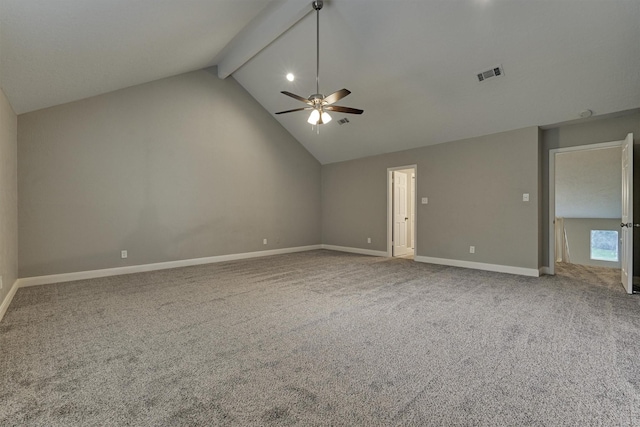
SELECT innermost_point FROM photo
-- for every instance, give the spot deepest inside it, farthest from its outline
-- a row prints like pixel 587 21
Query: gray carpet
pixel 323 338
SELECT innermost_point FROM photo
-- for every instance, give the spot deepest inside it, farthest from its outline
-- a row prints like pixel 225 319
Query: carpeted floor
pixel 323 338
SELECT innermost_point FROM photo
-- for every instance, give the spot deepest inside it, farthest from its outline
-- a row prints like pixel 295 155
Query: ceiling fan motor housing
pixel 316 98
pixel 317 4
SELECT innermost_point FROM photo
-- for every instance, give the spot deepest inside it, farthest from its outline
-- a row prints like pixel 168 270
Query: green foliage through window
pixel 604 245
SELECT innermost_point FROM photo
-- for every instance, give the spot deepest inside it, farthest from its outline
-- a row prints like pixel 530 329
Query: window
pixel 604 245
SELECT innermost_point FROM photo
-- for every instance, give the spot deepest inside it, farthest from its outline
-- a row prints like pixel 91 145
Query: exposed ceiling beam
pixel 277 18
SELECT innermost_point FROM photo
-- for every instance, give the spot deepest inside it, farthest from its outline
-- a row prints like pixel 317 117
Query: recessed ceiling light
pixel 291 77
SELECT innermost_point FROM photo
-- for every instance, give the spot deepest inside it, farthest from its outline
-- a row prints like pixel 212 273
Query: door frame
pixel 552 192
pixel 390 209
pixel 626 264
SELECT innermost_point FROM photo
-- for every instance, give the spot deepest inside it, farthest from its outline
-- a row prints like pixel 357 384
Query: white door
pixel 626 238
pixel 412 210
pixel 400 214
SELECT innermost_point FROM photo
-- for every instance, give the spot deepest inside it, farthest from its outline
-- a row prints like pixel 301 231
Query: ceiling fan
pixel 317 103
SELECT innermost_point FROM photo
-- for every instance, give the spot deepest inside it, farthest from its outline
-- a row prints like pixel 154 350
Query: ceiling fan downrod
pixel 317 5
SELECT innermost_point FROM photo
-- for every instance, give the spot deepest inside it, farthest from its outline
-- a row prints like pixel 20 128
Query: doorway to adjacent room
pixel 401 211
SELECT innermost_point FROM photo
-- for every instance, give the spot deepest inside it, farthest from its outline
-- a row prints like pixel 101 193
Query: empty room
pixel 319 213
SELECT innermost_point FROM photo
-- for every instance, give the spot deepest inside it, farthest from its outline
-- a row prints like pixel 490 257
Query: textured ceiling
pixel 589 183
pixel 410 64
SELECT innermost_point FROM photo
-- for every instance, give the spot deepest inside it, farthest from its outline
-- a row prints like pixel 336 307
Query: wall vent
pixel 343 121
pixel 496 71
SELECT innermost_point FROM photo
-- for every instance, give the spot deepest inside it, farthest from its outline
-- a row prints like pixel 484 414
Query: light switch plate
pixel 525 197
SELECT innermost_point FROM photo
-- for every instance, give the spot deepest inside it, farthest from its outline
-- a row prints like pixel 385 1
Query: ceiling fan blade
pixel 336 96
pixel 298 97
pixel 295 109
pixel 340 109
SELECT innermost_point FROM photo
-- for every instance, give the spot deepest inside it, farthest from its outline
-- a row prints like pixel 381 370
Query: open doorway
pixel 587 205
pixel 401 235
pixel 621 237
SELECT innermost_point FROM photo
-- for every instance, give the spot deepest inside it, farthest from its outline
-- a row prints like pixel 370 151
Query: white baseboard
pixel 92 274
pixel 354 250
pixel 533 272
pixel 7 300
pixel 545 271
pixel 82 275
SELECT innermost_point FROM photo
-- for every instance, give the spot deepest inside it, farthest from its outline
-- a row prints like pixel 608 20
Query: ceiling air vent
pixel 496 71
pixel 343 121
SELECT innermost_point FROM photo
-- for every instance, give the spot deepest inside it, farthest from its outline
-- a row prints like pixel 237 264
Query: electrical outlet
pixel 123 254
pixel 472 249
pixel 368 239
pixel 264 241
pixel 425 200
pixel 525 197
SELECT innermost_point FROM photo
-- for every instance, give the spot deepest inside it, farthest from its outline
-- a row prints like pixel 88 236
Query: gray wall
pixel 579 236
pixel 185 167
pixel 588 183
pixel 591 132
pixel 474 187
pixel 8 196
pixel 192 166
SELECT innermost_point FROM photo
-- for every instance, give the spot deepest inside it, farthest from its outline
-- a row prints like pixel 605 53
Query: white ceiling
pixel 589 183
pixel 410 64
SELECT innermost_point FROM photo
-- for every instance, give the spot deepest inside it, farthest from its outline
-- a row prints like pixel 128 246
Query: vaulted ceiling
pixel 410 64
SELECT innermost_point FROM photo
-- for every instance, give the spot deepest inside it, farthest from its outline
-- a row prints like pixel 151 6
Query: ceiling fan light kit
pixel 317 103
